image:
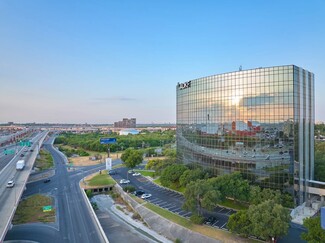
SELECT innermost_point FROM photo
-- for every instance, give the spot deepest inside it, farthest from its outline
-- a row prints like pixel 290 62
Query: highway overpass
pixel 9 197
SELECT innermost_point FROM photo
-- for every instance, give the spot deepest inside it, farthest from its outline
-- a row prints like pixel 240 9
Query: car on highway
pixel 136 174
pixel 10 183
pixel 46 180
pixel 124 181
pixel 138 193
pixel 145 196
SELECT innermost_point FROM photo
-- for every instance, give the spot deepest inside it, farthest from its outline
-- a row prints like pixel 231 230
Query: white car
pixel 145 196
pixel 123 181
pixel 10 183
pixel 136 174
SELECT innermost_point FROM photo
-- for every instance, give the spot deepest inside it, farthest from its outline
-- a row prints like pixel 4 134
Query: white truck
pixel 20 165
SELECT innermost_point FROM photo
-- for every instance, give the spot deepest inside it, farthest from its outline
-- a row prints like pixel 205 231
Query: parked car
pixel 138 193
pixel 112 172
pixel 131 172
pixel 11 183
pixel 124 181
pixel 22 155
pixel 47 180
pixel 145 196
pixel 210 220
pixel 136 174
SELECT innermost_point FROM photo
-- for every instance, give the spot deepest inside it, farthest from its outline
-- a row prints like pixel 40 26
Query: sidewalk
pixel 111 206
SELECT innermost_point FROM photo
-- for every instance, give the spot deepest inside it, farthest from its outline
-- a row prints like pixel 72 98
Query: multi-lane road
pixel 9 197
pixel 74 222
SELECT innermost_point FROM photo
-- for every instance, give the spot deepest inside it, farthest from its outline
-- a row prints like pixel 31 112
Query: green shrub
pixel 129 188
pixel 197 219
pixel 89 193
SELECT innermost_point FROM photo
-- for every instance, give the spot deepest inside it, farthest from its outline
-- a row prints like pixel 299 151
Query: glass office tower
pixel 259 122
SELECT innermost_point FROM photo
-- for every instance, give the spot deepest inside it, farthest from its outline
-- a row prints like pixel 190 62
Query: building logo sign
pixel 184 85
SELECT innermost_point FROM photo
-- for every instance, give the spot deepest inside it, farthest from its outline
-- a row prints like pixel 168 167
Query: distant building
pixel 129 131
pixel 126 123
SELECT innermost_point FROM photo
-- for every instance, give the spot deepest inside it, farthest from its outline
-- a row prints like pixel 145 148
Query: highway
pixel 74 222
pixel 9 197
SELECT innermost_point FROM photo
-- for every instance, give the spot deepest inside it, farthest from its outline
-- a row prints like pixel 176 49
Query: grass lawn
pixel 146 173
pixel 176 187
pixel 233 204
pixel 45 160
pixel 101 180
pixel 203 229
pixel 173 187
pixel 157 181
pixel 31 210
pixel 137 199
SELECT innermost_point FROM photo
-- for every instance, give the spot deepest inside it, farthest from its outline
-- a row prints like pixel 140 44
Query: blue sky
pixel 100 61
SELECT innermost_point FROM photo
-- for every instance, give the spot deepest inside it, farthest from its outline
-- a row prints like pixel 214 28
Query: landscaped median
pixel 44 160
pixel 36 208
pixel 97 180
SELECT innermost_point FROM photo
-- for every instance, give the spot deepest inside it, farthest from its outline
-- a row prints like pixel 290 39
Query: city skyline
pixel 71 62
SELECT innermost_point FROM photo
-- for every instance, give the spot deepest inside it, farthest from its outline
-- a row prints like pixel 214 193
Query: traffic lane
pixel 33 232
pixel 116 229
pixel 75 221
pixel 5 160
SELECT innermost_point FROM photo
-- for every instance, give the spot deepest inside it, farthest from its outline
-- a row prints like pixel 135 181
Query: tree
pixel 268 220
pixel 158 165
pixel 132 158
pixel 258 195
pixel 240 223
pixel 315 232
pixel 232 185
pixel 171 174
pixel 191 175
pixel 200 194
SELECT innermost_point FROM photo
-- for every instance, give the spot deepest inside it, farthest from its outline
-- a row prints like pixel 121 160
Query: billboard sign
pixel 108 164
pixel 107 140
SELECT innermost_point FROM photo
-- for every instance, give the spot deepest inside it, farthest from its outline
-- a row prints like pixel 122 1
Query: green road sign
pixel 47 208
pixel 25 143
pixel 9 151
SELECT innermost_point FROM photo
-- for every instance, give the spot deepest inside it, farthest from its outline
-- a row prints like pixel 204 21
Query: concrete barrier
pixel 93 214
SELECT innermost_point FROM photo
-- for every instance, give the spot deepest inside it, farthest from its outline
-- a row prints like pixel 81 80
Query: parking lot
pixel 172 201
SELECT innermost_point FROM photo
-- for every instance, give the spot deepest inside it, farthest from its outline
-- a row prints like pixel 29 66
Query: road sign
pixel 107 140
pixel 47 208
pixel 25 143
pixel 9 151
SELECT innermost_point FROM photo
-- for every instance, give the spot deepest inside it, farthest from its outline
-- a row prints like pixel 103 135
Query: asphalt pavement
pixel 173 201
pixel 74 221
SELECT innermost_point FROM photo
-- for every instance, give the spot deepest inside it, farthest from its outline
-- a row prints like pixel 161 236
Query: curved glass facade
pixel 258 122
